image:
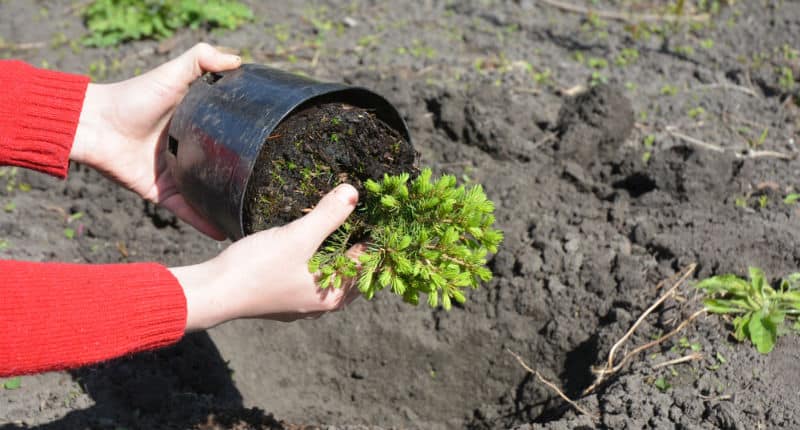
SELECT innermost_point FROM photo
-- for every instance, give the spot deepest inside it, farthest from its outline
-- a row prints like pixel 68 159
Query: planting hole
pixel 636 184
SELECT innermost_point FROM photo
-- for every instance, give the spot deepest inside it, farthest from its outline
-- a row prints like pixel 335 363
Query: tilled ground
pixel 681 153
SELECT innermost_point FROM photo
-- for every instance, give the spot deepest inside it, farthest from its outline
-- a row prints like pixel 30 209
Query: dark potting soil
pixel 312 151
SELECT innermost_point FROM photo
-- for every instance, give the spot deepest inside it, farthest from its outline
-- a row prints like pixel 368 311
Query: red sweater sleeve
pixel 56 316
pixel 39 112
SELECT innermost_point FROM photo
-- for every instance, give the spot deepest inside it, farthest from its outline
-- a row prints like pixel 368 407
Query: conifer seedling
pixel 423 235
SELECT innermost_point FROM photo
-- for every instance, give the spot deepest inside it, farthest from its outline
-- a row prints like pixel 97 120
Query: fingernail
pixel 346 194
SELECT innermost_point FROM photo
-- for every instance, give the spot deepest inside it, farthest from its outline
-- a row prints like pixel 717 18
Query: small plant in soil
pixel 761 311
pixel 423 235
pixel 112 22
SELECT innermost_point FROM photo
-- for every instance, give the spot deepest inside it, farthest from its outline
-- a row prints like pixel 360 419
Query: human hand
pixel 265 275
pixel 122 128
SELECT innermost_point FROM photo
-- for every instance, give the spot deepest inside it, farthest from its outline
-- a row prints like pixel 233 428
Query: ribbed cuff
pixel 39 113
pixel 58 316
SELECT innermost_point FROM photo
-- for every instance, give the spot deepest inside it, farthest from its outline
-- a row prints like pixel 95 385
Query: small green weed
pixel 761 138
pixel 626 56
pixel 112 22
pixel 662 384
pixel 597 78
pixel 763 201
pixel 760 310
pixel 13 383
pixel 597 63
pixel 696 112
pixel 791 199
pixel 669 90
pixel 786 80
pixel 543 77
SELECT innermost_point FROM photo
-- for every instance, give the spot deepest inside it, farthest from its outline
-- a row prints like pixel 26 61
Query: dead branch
pixel 748 91
pixel 675 285
pixel 746 154
pixel 552 386
pixel 695 141
pixel 610 368
pixel 766 154
pixel 625 17
pixel 691 357
pixel 22 46
pixel 604 373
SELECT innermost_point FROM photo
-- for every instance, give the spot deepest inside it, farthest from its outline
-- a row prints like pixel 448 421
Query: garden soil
pixel 681 153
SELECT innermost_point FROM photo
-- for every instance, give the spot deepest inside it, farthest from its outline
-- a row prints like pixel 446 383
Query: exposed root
pixel 552 386
pixel 609 369
pixel 626 16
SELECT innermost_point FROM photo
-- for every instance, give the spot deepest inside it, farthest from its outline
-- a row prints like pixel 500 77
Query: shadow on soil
pixel 187 385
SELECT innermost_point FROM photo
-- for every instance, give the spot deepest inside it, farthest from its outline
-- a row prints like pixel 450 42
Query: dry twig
pixel 610 368
pixel 691 357
pixel 748 91
pixel 626 17
pixel 22 46
pixel 746 154
pixel 552 386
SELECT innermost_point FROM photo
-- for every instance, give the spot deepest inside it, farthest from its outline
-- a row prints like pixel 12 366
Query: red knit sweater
pixel 54 315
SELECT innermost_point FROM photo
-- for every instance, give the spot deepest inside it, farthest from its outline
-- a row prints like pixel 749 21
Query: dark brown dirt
pixel 596 212
pixel 311 152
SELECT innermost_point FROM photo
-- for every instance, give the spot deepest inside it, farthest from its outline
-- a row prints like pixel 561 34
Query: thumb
pixel 327 216
pixel 202 57
pixel 211 59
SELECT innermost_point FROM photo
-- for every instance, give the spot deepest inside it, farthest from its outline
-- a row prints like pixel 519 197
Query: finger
pixel 177 205
pixel 330 213
pixel 211 59
pixel 200 58
pixel 355 251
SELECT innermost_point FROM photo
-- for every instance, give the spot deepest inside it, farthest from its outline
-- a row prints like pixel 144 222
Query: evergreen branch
pixel 425 237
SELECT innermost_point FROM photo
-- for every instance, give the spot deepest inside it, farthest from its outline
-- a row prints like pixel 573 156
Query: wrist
pixel 206 304
pixel 88 133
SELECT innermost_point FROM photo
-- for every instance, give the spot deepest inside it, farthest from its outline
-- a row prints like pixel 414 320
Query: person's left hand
pixel 122 128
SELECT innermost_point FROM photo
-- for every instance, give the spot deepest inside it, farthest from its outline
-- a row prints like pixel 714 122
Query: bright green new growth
pixel 424 236
pixel 114 21
pixel 760 310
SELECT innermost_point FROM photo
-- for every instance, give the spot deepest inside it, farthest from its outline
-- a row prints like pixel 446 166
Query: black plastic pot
pixel 219 128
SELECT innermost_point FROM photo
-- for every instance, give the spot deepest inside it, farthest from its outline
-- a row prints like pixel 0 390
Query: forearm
pixel 57 316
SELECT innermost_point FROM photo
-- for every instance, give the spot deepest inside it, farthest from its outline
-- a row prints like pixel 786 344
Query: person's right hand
pixel 265 275
pixel 122 130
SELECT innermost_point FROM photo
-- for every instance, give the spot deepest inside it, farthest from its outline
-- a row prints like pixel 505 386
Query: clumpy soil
pixel 617 152
pixel 316 148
